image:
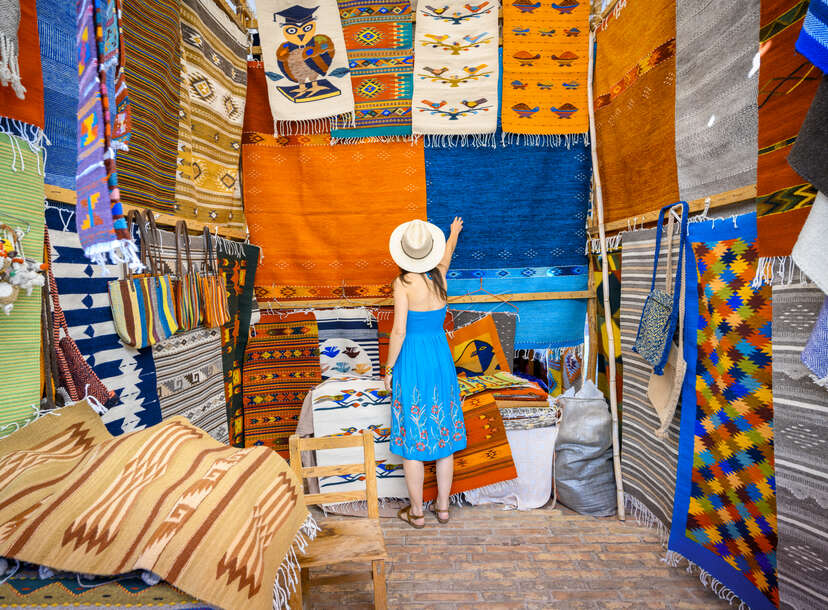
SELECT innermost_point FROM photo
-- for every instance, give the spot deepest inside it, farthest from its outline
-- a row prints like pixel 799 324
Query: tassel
pixel 9 66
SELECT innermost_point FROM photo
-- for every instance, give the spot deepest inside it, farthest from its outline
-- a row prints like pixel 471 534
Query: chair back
pixel 368 468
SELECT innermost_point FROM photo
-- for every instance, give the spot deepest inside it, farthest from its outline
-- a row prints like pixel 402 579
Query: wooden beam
pixel 56 193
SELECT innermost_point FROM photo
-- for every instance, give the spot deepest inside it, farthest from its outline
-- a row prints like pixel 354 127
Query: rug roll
pixel 801 451
pixel 807 153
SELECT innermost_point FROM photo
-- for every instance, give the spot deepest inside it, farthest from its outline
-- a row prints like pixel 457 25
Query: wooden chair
pixel 351 540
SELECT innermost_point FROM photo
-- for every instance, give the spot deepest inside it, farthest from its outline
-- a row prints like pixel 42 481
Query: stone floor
pixel 546 558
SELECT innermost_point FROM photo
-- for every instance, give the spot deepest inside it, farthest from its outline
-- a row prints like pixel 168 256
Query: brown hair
pixel 438 284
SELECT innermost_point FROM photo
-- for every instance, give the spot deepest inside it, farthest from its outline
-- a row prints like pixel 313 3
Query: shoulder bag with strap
pixel 163 281
pixel 213 288
pixel 185 287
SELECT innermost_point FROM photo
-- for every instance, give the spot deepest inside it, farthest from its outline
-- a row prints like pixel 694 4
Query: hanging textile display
pixel 787 84
pixel 456 70
pixel 82 288
pixel 308 241
pixel 545 65
pixel 111 58
pixel 648 461
pixel 306 64
pixel 800 431
pixel 614 276
pixel 238 263
pixel 281 365
pixel 59 59
pixel 213 89
pixel 21 198
pixel 348 343
pixel 806 156
pixel 379 40
pixel 564 367
pixel 505 325
pixel 813 39
pixel 476 349
pixel 153 73
pixel 716 88
pixel 635 99
pixel 724 517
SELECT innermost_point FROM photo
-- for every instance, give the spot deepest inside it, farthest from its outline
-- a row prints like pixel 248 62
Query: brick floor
pixel 546 558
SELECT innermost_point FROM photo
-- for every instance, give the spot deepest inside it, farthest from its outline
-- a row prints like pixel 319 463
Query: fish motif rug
pixel 352 205
pixel 22 197
pixel 724 515
pixel 716 120
pixel 456 70
pixel 348 342
pixel 801 451
pixel 213 90
pixel 281 365
pixel 147 172
pixel 614 276
pixel 75 498
pixel 26 104
pixel 787 84
pixel 476 349
pixel 188 369
pixel 379 37
pixel 82 289
pixel 487 457
pixel 505 324
pixel 635 108
pixel 354 405
pixel 545 71
pixel 306 65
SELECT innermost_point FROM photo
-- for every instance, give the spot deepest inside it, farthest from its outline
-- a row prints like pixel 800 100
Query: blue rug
pixel 58 55
pixel 82 287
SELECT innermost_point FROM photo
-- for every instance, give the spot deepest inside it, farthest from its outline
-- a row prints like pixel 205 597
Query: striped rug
pixel 338 329
pixel 648 463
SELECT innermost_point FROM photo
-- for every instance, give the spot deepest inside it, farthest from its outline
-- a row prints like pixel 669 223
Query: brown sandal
pixel 404 514
pixel 433 508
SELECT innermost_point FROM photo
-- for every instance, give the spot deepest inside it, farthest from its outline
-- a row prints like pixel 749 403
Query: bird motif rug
pixel 306 65
pixel 456 70
pixel 348 342
pixel 379 39
pixel 545 61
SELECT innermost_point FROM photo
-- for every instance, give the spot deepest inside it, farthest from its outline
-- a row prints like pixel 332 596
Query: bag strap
pixel 181 233
pixel 134 217
pixel 659 228
pixel 209 264
pixel 155 243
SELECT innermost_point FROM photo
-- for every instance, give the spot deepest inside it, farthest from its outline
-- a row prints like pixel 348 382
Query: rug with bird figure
pixel 348 342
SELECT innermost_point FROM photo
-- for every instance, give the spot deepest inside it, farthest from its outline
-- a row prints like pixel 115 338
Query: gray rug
pixel 808 152
pixel 716 113
pixel 801 447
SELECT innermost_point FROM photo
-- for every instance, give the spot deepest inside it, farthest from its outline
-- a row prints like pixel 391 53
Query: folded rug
pixel 456 71
pixel 306 65
pixel 811 249
pixel 153 500
pixel 813 40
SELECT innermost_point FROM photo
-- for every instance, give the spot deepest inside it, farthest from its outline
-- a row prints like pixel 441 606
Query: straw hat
pixel 417 246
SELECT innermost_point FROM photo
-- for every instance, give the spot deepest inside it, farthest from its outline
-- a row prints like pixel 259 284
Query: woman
pixel 426 415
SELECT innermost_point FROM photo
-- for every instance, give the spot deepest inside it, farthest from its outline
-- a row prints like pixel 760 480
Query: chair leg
pixel 306 587
pixel 380 593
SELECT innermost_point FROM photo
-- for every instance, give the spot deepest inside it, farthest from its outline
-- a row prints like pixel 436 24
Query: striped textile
pixel 146 174
pixel 801 452
pixel 213 90
pixel 21 196
pixel 648 464
pixel 189 371
pixel 356 325
pixel 82 287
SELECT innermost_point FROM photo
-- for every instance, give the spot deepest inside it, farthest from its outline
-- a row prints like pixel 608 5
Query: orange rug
pixel 635 99
pixel 30 108
pixel 323 214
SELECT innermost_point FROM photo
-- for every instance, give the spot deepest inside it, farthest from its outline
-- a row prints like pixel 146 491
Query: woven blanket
pixel 648 463
pixel 353 405
pixel 306 65
pixel 724 518
pixel 152 500
pixel 815 354
pixel 22 198
pixel 811 249
pixel 456 69
pixel 787 85
pixel 545 61
pixel 153 72
pixel 504 224
pixel 82 289
pixel 505 325
pixel 806 153
pixel 59 59
pixel 188 368
pixel 614 268
pixel 309 240
pixel 635 99
pixel 716 121
pixel 813 40
pixel 348 343
pixel 564 367
pixel 379 38
pixel 25 106
pixel 238 263
pixel 801 451
pixel 213 87
pixel 281 365
pixel 487 457
pixel 471 386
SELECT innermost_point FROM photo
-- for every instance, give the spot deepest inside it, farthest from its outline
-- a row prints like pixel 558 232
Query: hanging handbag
pixel 213 288
pixel 163 280
pixel 658 319
pixel 185 286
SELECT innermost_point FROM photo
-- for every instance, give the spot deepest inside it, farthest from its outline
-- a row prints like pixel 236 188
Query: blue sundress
pixel 426 412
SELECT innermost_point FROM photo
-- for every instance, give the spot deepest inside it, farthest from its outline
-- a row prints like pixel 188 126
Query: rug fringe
pixel 593 245
pixel 778 271
pixel 355 505
pixel 544 353
pixel 302 128
pixel 823 383
pixel 474 140
pixel 528 139
pixel 615 14
pixel 10 67
pixel 34 137
pixel 708 581
pixel 118 251
pixel 288 575
pixel 645 517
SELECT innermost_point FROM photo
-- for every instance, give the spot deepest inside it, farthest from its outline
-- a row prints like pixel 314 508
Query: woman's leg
pixel 445 474
pixel 414 473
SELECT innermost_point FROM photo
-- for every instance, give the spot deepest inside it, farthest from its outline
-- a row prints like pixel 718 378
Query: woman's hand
pixel 456 225
pixel 387 380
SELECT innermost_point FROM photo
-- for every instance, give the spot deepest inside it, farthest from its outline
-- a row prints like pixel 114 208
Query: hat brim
pixel 417 265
